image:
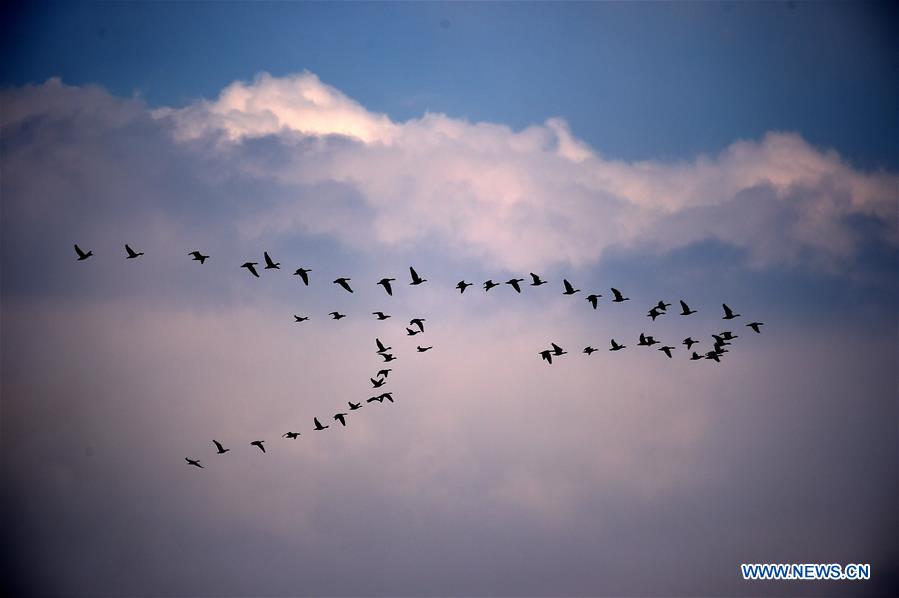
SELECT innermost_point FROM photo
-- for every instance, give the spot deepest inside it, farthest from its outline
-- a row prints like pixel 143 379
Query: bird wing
pixel 268 259
pixel 218 445
pixel 617 293
pixel 79 251
pixel 568 287
pixel 535 277
pixel 304 276
pixel 727 311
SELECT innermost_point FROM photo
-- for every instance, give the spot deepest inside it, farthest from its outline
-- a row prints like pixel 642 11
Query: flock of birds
pixel 416 326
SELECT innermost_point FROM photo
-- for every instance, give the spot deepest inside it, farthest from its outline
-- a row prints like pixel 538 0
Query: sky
pixel 739 153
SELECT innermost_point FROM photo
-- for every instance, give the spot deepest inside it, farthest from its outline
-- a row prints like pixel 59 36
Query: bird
pixel 755 326
pixel 462 285
pixel 251 266
pixel 341 418
pixel 380 315
pixel 654 313
pixel 269 264
pixel 303 273
pixel 667 350
pixel 385 282
pixel 618 296
pixel 594 299
pixel 318 425
pixel 720 341
pixel 299 319
pixel 291 435
pixel 616 346
pixel 81 254
pixel 336 315
pixel 259 444
pixel 373 399
pixel 381 347
pixel 490 284
pixel 386 395
pixel 423 349
pixel 537 281
pixel 569 290
pixel 557 350
pixel 194 462
pixel 378 383
pixel 410 332
pixel 384 372
pixel 728 335
pixel 685 309
pixel 354 406
pixel 199 257
pixel 662 306
pixel 514 283
pixel 416 279
pixel 589 350
pixel 643 342
pixel 345 283
pixel 220 450
pixel 547 356
pixel 695 357
pixel 418 322
pixel 689 342
pixel 728 313
pixel 131 253
pixel 713 355
pixel 387 357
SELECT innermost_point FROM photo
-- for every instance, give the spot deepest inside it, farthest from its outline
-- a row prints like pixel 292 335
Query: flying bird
pixel 416 279
pixel 378 383
pixel 81 254
pixel 410 332
pixel 713 355
pixel 728 313
pixel 318 425
pixel 354 406
pixel 299 319
pixel 259 444
pixel 666 350
pixel 618 296
pixel 654 313
pixel 514 283
pixel 386 395
pixel 547 356
pixel 646 341
pixel 537 281
pixel 291 435
pixel 418 322
pixel 594 299
pixel 194 462
pixel 689 342
pixel 381 347
pixel 616 346
pixel 385 282
pixel 131 253
pixel 373 399
pixel 269 264
pixel 462 285
pixel 303 273
pixel 336 315
pixel 589 350
pixel 341 418
pixel 199 257
pixel 345 283
pixel 387 357
pixel 220 450
pixel 384 372
pixel 755 326
pixel 728 335
pixel 380 315
pixel 695 357
pixel 490 284
pixel 662 306
pixel 685 309
pixel 251 266
pixel 423 349
pixel 569 290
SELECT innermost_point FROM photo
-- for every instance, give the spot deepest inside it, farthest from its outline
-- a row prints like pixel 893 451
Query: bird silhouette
pixel 318 425
pixel 385 282
pixel 420 322
pixel 336 315
pixel 291 435
pixel 714 356
pixel 269 264
pixel 616 346
pixel 199 257
pixel 384 372
pixel 416 279
pixel 685 309
pixel 381 347
pixel 410 332
pixel 490 284
pixel 194 462
pixel 666 350
pixel 689 342
pixel 755 326
pixel 298 319
pixel 387 357
pixel 537 281
pixel 258 443
pixel 354 406
pixel 220 450
pixel 386 395
pixel 303 273
pixel 131 253
pixel 720 341
pixel 695 356
pixel 380 315
pixel 81 254
pixel 513 282
pixel 589 350
pixel 557 350
pixel 662 306
pixel 251 266
pixel 378 383
pixel 618 296
pixel 345 283
pixel 728 335
pixel 594 299
pixel 462 285
pixel 646 341
pixel 569 290
pixel 341 417
pixel 423 349
pixel 547 356
pixel 654 313
pixel 728 313
pixel 373 399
